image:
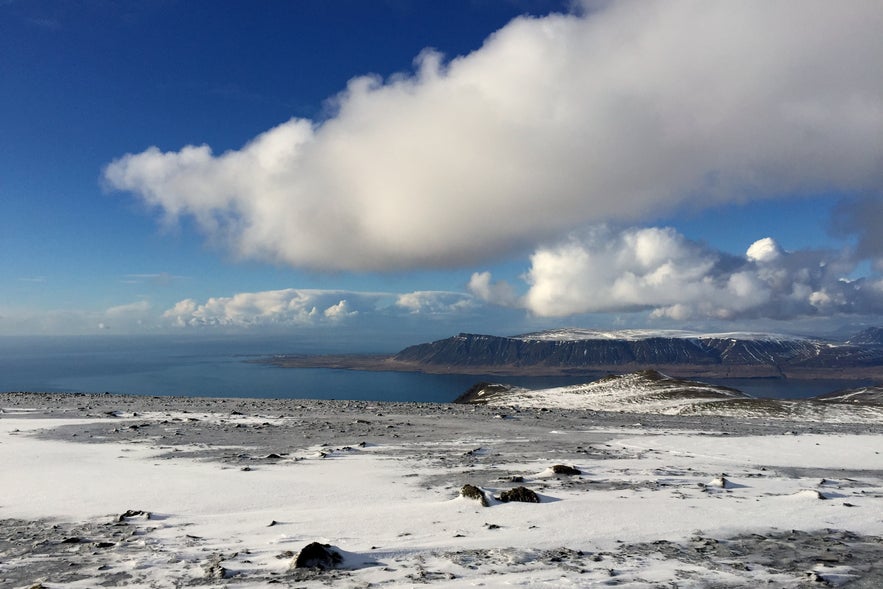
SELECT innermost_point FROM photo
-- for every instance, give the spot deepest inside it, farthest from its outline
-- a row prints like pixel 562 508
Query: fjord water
pixel 226 367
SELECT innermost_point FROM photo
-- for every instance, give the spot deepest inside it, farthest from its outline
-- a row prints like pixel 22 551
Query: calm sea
pixel 223 367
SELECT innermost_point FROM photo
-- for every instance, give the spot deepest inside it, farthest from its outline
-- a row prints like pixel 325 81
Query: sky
pixel 403 170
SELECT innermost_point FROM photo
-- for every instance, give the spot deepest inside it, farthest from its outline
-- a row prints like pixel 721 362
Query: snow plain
pixel 104 490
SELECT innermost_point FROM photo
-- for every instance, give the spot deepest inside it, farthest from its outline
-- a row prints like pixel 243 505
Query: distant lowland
pixel 595 353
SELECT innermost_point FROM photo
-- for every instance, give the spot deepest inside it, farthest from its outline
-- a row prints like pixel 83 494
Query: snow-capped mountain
pixel 678 352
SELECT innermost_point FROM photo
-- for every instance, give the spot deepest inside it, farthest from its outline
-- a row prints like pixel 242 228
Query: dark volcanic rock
pixel 564 469
pixel 522 494
pixel 482 391
pixel 317 556
pixel 133 513
pixel 473 492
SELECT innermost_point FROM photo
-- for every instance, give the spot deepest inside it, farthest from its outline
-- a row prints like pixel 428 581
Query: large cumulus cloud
pixel 632 108
pixel 660 271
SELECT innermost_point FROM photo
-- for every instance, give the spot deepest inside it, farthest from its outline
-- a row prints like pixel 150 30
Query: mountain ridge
pixel 595 353
pixel 574 351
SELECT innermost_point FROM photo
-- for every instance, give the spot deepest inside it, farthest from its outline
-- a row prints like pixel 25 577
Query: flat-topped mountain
pixel 577 351
pixel 594 353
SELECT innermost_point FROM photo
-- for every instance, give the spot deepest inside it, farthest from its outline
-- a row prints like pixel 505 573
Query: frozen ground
pixel 104 490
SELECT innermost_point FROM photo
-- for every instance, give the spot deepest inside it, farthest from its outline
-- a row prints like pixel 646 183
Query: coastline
pixel 388 363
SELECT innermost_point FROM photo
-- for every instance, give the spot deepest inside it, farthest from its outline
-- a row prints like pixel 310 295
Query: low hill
pixel 651 392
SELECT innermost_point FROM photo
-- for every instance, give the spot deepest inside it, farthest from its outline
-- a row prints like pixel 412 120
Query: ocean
pixel 225 367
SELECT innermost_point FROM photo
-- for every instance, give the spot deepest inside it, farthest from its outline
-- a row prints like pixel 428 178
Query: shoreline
pixel 387 363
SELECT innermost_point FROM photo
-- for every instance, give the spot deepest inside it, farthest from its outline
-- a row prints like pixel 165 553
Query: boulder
pixel 473 492
pixel 317 556
pixel 564 469
pixel 522 494
pixel 133 513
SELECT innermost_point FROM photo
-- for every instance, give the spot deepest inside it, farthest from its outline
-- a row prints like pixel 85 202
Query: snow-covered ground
pixel 234 489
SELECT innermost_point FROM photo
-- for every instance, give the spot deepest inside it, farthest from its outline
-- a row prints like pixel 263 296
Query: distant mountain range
pixel 685 353
pixel 595 353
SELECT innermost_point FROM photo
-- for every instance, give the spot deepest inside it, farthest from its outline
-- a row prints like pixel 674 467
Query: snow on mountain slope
pixel 578 334
pixel 646 390
pixel 859 395
pixel 651 392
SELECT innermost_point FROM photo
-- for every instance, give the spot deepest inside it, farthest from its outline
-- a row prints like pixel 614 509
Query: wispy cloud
pixel 159 279
pixel 135 317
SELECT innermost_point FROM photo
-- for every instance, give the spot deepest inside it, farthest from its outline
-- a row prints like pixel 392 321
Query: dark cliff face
pixel 470 350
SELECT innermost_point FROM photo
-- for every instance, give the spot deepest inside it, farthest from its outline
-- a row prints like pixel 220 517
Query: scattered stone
pixel 317 556
pixel 133 513
pixel 817 578
pixel 566 470
pixel 521 494
pixel 516 479
pixel 285 554
pixel 720 482
pixel 214 570
pixel 473 492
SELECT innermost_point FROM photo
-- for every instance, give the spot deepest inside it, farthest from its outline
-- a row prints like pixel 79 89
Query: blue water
pixel 222 367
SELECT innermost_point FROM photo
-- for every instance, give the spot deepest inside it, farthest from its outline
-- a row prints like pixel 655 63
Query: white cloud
pixel 602 270
pixel 273 307
pixel 307 307
pixel 660 271
pixel 632 109
pixel 137 308
pixel 339 312
pixel 764 250
pixel 430 302
pixel 499 293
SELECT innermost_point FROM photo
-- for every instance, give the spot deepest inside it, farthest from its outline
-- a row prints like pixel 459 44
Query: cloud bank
pixel 660 271
pixel 308 307
pixel 628 110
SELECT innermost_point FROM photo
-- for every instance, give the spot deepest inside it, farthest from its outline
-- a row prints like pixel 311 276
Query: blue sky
pixel 421 168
